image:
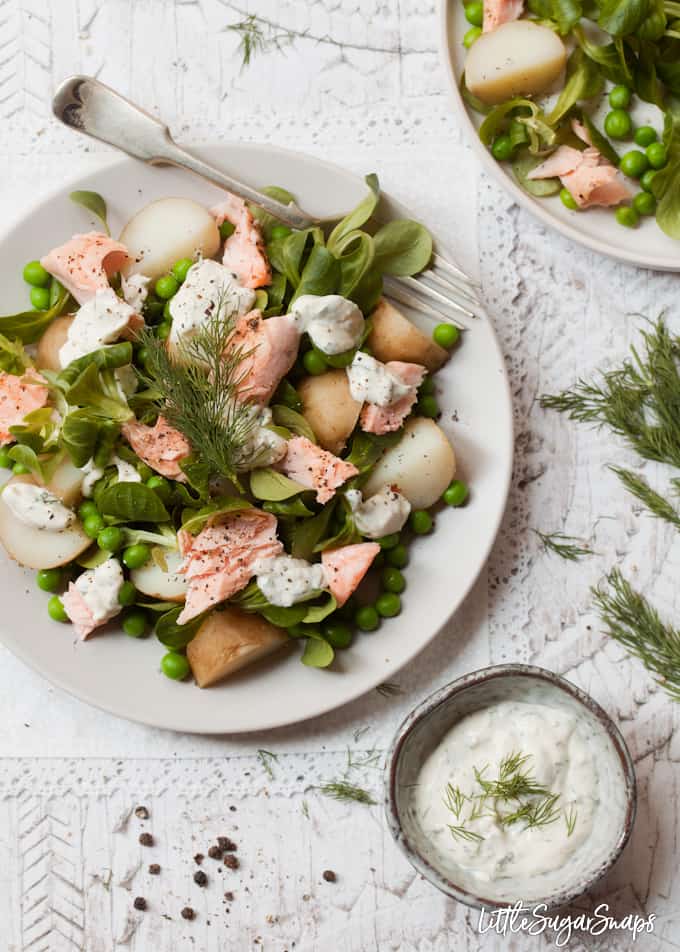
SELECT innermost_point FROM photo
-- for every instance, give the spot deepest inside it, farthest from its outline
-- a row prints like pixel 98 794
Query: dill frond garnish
pixel 342 790
pixel 463 833
pixel 570 819
pixel 455 799
pixel 649 497
pixel 267 759
pixel 198 385
pixel 566 546
pixel 371 758
pixel 635 624
pixel 259 36
pixel 389 689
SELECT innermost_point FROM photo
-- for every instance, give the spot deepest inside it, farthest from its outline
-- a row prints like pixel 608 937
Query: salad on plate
pixel 219 429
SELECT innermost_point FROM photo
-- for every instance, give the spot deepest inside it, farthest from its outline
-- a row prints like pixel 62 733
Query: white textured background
pixel 360 84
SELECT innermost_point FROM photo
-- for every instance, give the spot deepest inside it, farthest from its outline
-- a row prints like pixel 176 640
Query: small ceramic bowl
pixel 425 727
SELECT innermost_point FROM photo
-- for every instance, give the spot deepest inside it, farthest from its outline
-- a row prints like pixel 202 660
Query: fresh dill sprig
pixel 570 819
pixel 198 387
pixel 455 799
pixel 342 790
pixel 267 759
pixel 389 689
pixel 463 833
pixel 305 809
pixel 535 813
pixel 371 758
pixel 360 731
pixel 258 36
pixel 649 497
pixel 566 546
pixel 636 625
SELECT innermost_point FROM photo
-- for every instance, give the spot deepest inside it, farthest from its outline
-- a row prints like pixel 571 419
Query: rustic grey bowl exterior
pixel 441 710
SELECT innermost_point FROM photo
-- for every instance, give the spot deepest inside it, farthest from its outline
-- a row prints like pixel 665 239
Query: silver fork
pixel 442 291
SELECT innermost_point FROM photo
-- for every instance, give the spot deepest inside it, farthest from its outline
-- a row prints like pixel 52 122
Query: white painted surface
pixel 362 87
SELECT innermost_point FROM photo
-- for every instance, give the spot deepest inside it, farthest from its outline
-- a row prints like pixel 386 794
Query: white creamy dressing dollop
pixel 333 323
pixel 284 581
pixel 98 322
pixel 135 290
pixel 370 381
pixel 380 515
pixel 100 588
pixel 126 474
pixel 570 755
pixel 263 447
pixel 37 507
pixel 207 287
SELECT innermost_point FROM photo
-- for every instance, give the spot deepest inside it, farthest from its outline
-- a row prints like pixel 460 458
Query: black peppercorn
pixel 188 913
pixel 146 839
pixel 231 861
pixel 140 903
pixel 329 876
pixel 200 878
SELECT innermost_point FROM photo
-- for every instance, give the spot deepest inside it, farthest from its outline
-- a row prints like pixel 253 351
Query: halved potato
pixel 394 337
pixel 54 338
pixel 229 640
pixel 67 483
pixel 421 465
pixel 36 548
pixel 516 59
pixel 167 586
pixel 165 231
pixel 328 407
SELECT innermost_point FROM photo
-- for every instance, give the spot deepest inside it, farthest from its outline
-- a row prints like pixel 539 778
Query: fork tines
pixel 442 292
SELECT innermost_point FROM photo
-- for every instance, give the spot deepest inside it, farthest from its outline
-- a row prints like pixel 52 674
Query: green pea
pixel 161 487
pixel 420 521
pixel 166 286
pixel 6 460
pixel 20 470
pixel 389 541
pixel 110 539
pixel 337 634
pixel 175 666
pixel 167 313
pixel 634 163
pixel 145 472
pixel 93 525
pixel 393 581
pixel 627 216
pixel 568 200
pixel 474 13
pixel 472 35
pixel 644 136
pixel 180 268
pixel 48 580
pixel 398 556
pixel 619 97
pixel 163 331
pixel 644 203
pixel 367 618
pixel 340 360
pixel 226 230
pixel 427 406
pixel 502 148
pixel 134 623
pixel 127 594
pixel 647 179
pixel 142 356
pixel 657 155
pixel 280 231
pixel 427 386
pixel 378 561
pixel 56 610
pixel 87 508
pixel 456 494
pixel 314 362
pixel 35 274
pixel 388 604
pixel 135 556
pixel 40 298
pixel 446 335
pixel 618 124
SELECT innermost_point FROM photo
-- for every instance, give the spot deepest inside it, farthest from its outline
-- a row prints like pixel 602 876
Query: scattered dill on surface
pixel 650 498
pixel 267 759
pixel 259 36
pixel 566 546
pixel 342 790
pixel 305 809
pixel 389 689
pixel 370 758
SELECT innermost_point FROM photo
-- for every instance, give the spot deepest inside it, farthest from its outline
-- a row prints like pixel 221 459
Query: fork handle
pixel 90 107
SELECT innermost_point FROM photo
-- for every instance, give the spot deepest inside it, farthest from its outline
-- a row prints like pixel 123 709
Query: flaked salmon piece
pixel 219 561
pixel 270 347
pixel 588 176
pixel 345 568
pixel 161 446
pixel 377 419
pixel 244 252
pixel 78 611
pixel 85 263
pixel 580 130
pixel 497 12
pixel 92 600
pixel 18 397
pixel 317 469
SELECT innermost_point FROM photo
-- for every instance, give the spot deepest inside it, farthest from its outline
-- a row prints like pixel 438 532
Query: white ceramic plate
pixel 120 674
pixel 646 246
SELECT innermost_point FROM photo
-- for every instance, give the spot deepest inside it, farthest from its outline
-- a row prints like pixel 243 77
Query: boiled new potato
pixel 328 407
pixel 228 640
pixel 165 231
pixel 394 337
pixel 516 59
pixel 36 548
pixel 152 580
pixel 421 465
pixel 47 356
pixel 67 483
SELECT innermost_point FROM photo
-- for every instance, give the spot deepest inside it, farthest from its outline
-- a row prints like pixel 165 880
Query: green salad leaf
pixel 20 453
pixel 265 220
pixel 85 435
pixel 111 357
pixel 666 183
pixel 195 520
pixel 13 357
pixel 307 534
pixel 94 203
pixel 173 635
pixel 269 485
pixel 566 13
pixel 622 17
pixel 286 395
pixel 320 274
pixel 98 391
pixel 29 326
pixel 317 613
pixel 132 502
pixel 358 216
pixel 293 508
pixel 293 421
pixel 584 81
pixel 523 163
pixel 318 653
pixel 402 248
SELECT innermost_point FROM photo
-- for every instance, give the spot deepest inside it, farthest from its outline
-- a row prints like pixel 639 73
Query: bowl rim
pixel 441 697
pixel 534 206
